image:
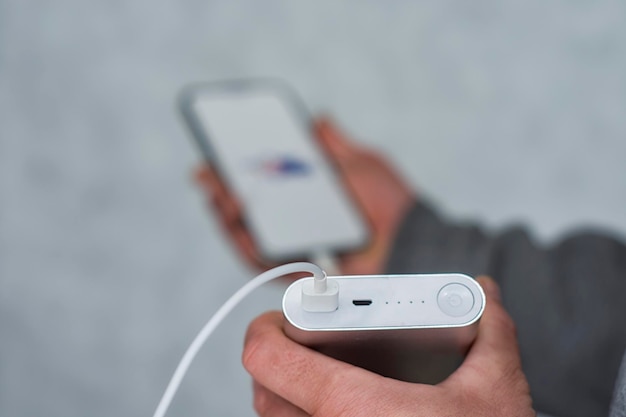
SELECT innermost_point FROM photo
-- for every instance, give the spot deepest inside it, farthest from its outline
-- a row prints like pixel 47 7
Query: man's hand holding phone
pixel 377 189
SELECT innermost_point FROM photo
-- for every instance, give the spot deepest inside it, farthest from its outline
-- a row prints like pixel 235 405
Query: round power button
pixel 455 300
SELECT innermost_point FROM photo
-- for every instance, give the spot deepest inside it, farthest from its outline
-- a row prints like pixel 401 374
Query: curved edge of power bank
pixel 364 326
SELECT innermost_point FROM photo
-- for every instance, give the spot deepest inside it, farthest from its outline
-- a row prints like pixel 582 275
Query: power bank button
pixel 455 300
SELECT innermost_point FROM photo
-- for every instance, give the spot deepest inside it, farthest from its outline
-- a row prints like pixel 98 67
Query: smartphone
pixel 258 137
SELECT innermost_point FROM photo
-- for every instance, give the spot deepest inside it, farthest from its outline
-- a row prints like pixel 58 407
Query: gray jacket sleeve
pixel 568 300
pixel 618 407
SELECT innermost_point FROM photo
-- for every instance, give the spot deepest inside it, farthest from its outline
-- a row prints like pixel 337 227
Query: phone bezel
pixel 202 141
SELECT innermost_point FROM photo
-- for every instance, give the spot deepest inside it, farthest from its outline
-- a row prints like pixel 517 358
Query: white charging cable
pixel 319 276
pixel 327 262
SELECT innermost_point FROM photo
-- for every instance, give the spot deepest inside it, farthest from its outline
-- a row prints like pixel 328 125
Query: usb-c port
pixel 361 302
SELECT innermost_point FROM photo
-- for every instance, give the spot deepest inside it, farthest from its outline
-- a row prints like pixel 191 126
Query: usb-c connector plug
pixel 320 295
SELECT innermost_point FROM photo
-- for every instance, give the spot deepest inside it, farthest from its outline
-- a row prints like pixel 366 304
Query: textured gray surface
pixel 618 408
pixel 109 262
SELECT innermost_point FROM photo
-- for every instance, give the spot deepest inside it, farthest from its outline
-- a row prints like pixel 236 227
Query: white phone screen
pixel 292 200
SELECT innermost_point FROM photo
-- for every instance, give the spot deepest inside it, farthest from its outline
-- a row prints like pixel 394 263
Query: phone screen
pixel 292 200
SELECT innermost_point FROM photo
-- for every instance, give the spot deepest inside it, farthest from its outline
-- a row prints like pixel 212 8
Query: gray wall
pixel 109 261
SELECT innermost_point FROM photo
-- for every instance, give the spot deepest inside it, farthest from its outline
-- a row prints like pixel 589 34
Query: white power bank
pixel 410 327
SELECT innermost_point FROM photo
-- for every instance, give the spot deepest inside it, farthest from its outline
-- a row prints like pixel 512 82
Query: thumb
pixel 495 350
pixel 331 137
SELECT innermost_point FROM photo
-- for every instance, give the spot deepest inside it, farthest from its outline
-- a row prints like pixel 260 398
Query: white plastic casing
pixel 435 313
pixel 313 301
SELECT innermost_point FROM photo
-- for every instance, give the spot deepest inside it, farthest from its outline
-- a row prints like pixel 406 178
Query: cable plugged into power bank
pixel 422 311
pixel 322 297
pixel 321 294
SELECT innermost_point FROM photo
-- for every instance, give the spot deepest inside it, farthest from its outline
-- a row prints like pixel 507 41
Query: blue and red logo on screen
pixel 285 166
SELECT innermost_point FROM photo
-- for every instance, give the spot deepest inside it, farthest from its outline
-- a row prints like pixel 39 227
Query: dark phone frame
pixel 202 141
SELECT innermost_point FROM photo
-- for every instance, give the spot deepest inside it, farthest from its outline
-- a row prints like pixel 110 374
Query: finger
pixel 201 172
pixel 351 159
pixel 266 403
pixel 212 184
pixel 227 206
pixel 332 139
pixel 207 179
pixel 230 213
pixel 495 351
pixel 305 378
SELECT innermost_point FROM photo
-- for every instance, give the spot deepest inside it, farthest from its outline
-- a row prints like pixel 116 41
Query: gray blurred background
pixel 110 261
